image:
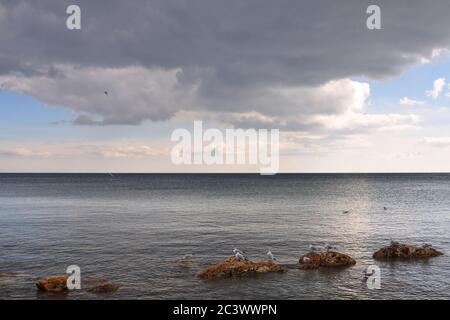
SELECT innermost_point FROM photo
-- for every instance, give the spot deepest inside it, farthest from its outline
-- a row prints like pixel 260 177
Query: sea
pixel 133 229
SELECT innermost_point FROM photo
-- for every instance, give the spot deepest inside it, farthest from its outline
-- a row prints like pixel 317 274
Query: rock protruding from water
pixel 232 267
pixel 106 287
pixel 54 284
pixel 315 260
pixel 405 251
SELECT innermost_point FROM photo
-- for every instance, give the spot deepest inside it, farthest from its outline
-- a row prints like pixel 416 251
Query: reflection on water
pixel 134 229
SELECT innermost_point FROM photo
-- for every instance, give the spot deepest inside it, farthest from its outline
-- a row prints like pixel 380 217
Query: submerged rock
pixel 232 267
pixel 9 278
pixel 55 284
pixel 187 261
pixel 106 287
pixel 315 260
pixel 405 251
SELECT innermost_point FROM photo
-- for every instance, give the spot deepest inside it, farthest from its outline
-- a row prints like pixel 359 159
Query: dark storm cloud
pixel 238 42
pixel 229 48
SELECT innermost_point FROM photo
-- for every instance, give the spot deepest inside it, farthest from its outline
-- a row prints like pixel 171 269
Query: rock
pixel 336 259
pixel 405 251
pixel 311 260
pixel 187 262
pixel 55 284
pixel 106 287
pixel 232 267
pixel 315 260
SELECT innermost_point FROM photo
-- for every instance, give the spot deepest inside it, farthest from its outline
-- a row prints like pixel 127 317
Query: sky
pixel 345 98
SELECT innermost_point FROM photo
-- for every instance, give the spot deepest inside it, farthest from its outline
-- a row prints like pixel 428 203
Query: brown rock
pixel 311 260
pixel 335 259
pixel 314 260
pixel 405 251
pixel 232 267
pixel 55 284
pixel 106 287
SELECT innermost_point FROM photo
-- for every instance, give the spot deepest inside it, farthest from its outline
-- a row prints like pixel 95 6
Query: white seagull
pixel 270 255
pixel 239 256
pixel 236 250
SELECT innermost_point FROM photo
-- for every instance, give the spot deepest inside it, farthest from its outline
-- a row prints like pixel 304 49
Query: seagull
pixel 237 250
pixel 314 248
pixel 329 247
pixel 384 208
pixel 270 255
pixel 426 245
pixel 394 243
pixel 346 211
pixel 306 260
pixel 241 253
pixel 239 256
pixel 106 93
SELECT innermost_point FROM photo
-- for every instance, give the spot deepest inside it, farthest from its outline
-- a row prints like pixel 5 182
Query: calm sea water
pixel 132 230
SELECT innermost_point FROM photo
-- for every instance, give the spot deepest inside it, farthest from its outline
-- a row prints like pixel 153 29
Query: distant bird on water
pixel 346 211
pixel 384 208
pixel 106 93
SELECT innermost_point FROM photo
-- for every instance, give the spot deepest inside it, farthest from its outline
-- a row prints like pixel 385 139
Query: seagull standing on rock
pixel 329 247
pixel 270 255
pixel 314 248
pixel 395 243
pixel 240 256
pixel 237 250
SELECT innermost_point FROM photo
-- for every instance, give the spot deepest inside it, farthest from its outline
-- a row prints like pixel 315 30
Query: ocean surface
pixel 133 228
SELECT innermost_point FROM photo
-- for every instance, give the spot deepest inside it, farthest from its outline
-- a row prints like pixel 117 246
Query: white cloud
pixel 437 141
pixel 23 152
pixel 405 101
pixel 137 94
pixel 438 86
